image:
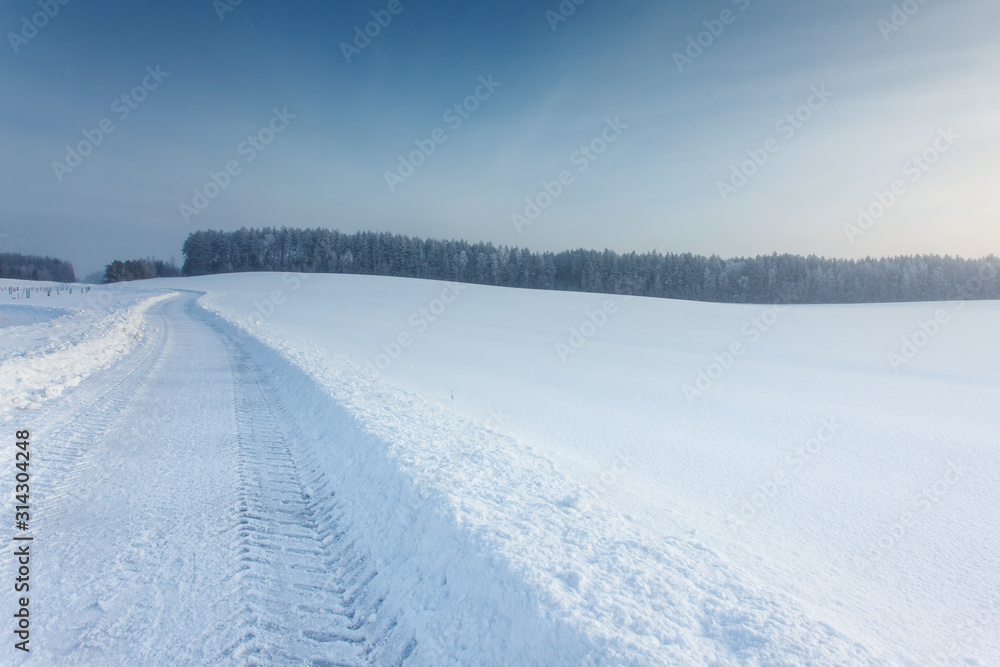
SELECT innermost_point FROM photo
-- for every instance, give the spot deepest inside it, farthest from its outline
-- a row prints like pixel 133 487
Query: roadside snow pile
pixel 491 556
pixel 58 348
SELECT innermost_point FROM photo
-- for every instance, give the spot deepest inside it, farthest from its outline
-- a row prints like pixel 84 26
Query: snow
pixel 74 333
pixel 509 484
pixel 12 315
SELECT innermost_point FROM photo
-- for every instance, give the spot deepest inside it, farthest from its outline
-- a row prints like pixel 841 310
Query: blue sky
pixel 884 86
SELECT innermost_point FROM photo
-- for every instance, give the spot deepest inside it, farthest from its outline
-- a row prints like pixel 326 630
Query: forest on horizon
pixel 763 279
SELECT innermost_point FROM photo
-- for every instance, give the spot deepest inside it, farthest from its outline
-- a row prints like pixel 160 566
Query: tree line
pixel 762 279
pixel 30 267
pixel 138 269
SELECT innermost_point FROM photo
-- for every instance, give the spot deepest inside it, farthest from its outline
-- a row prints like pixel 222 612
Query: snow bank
pixel 57 350
pixel 491 556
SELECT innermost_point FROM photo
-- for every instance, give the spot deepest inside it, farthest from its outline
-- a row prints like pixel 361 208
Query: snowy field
pixel 501 476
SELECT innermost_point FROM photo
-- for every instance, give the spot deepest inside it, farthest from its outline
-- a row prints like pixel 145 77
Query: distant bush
pixel 30 267
pixel 139 269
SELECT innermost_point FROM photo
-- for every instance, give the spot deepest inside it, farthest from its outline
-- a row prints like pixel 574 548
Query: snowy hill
pixel 565 478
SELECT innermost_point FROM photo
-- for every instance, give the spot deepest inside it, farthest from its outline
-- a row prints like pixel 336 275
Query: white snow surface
pixel 69 335
pixel 507 484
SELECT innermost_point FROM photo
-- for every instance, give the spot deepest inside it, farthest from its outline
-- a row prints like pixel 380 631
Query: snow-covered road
pixel 178 522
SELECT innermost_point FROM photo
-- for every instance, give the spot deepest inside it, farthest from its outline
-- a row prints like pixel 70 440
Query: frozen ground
pixel 407 471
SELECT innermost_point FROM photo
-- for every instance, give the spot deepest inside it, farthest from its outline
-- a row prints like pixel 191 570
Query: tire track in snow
pixel 88 414
pixel 83 412
pixel 304 589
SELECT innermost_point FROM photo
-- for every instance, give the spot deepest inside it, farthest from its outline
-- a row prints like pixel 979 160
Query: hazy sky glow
pixel 884 96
